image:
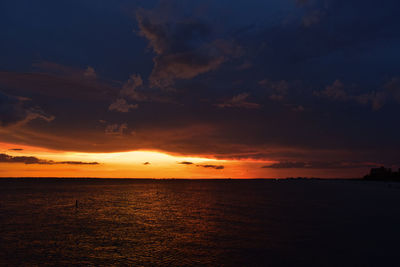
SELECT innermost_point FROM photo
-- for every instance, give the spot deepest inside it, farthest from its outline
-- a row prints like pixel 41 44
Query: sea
pixel 150 222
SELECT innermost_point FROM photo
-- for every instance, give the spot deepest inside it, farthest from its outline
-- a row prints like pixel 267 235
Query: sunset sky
pixel 199 89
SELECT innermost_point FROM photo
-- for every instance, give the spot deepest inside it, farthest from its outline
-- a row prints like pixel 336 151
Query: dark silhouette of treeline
pixel 383 174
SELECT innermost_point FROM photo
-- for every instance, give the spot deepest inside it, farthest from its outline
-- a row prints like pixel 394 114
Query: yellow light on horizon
pixel 132 157
pixel 130 164
pixel 137 156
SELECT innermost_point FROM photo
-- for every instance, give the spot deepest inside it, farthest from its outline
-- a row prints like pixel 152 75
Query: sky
pixel 199 89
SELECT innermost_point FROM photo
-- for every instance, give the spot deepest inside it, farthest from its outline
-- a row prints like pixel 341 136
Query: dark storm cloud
pixel 184 48
pixel 4 158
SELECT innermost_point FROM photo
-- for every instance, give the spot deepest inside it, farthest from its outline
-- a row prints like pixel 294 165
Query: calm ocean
pixel 198 222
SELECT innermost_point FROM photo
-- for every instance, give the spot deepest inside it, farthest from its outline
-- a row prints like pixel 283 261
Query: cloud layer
pixel 4 158
pixel 307 83
pixel 320 165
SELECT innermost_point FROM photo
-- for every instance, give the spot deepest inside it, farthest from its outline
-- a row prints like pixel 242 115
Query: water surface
pixel 198 222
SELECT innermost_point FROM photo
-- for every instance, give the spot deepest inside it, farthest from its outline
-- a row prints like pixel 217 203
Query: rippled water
pixel 200 222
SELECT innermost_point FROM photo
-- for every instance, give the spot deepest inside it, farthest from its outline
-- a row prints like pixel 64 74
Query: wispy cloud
pixel 122 106
pixel 239 101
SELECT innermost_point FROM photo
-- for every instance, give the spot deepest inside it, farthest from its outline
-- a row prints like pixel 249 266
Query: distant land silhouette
pixel 383 174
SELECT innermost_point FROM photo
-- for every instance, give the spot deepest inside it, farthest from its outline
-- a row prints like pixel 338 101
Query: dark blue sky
pixel 314 81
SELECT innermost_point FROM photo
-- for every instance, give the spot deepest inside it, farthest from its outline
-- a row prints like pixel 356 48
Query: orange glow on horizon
pixel 131 164
pixel 142 164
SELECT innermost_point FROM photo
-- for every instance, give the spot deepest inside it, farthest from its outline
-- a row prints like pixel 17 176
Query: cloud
pixel 352 47
pixel 286 165
pixel 90 73
pixel 146 163
pixel 184 65
pixel 4 158
pixel 335 91
pixel 116 129
pixel 217 167
pixel 135 89
pixel 186 163
pixel 122 106
pixel 184 48
pixel 319 165
pixel 16 111
pixel 392 87
pixel 239 101
pixel 132 88
pixel 75 163
pixel 16 149
pixel 389 92
pixel 277 90
pixel 376 99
